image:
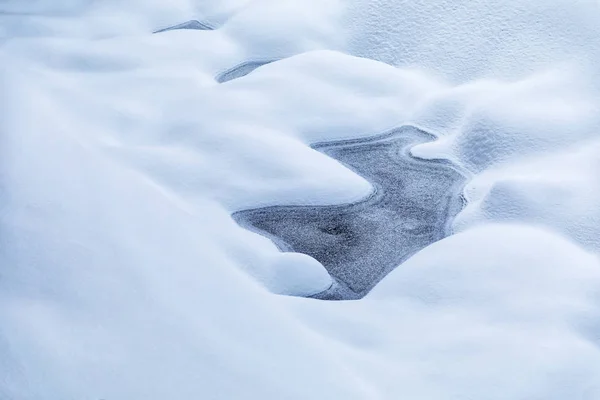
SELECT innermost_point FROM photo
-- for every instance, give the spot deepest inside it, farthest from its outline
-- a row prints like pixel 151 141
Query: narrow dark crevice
pixel 193 25
pixel 241 70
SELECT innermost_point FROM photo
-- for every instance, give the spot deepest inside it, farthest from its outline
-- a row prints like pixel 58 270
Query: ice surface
pixel 123 275
pixel 412 205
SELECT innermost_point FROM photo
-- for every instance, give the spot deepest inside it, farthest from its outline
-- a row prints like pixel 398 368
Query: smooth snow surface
pixel 123 276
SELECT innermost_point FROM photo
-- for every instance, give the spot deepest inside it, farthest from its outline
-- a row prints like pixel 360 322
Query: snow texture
pixel 124 277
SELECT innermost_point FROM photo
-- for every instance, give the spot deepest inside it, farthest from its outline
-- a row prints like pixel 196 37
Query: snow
pixel 298 274
pixel 123 275
pixel 501 311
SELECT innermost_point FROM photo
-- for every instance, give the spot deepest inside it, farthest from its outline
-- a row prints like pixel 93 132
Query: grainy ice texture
pixel 411 207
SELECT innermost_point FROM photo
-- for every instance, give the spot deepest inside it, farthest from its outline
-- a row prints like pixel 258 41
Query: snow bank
pixel 124 277
pixel 507 307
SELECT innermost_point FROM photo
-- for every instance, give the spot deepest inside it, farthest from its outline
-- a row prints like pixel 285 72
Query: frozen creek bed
pixel 412 206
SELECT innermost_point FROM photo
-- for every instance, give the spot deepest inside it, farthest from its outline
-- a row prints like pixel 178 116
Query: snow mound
pixel 502 306
pixel 477 269
pixel 299 275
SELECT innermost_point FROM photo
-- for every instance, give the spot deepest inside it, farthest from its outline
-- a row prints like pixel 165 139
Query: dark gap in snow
pixel 241 70
pixel 412 206
pixel 193 24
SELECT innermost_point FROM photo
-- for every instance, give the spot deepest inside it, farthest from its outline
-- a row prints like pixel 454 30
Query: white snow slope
pixel 123 276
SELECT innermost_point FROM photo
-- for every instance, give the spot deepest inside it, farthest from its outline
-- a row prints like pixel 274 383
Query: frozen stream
pixel 412 206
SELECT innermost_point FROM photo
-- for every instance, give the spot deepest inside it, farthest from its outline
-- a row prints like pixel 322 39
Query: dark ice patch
pixel 412 206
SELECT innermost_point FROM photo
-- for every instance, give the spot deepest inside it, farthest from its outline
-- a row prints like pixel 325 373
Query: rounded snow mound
pixel 298 274
pixel 501 270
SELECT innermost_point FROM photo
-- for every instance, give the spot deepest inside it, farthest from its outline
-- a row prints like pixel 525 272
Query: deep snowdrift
pixel 123 275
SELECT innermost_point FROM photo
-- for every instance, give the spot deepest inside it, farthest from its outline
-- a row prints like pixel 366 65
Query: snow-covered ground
pixel 123 276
